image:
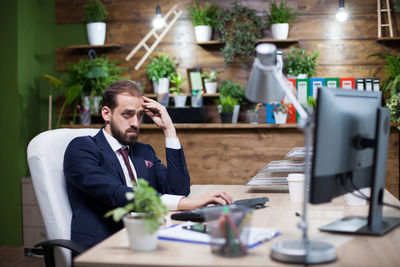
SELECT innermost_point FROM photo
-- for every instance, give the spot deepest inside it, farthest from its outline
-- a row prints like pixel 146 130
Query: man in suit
pixel 98 175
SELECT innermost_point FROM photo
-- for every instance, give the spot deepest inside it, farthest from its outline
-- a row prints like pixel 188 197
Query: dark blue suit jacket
pixel 96 183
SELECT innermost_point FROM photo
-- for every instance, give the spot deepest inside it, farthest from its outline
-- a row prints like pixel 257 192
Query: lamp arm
pixel 281 80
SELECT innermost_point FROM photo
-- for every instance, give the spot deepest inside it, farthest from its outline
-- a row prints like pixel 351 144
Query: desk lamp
pixel 267 84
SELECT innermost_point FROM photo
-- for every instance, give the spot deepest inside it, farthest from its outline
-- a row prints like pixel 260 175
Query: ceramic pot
pixel 180 101
pixel 280 31
pixel 139 238
pixel 96 33
pixel 202 33
pixel 226 117
pixel 280 118
pixel 211 87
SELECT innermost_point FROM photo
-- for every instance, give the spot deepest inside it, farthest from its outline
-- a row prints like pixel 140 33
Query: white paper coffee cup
pixel 353 200
pixel 296 186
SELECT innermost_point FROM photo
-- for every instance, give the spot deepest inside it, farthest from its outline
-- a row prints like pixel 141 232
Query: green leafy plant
pixel 209 76
pixel 160 66
pixel 234 90
pixel 227 103
pixel 281 13
pixel 95 11
pixel 391 85
pixel 145 201
pixel 240 29
pixel 297 61
pixel 177 80
pixel 203 16
pixel 312 102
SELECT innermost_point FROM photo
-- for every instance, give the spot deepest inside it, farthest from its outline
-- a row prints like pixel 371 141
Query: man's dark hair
pixel 119 87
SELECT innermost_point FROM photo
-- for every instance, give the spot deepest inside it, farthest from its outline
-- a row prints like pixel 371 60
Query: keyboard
pixel 198 215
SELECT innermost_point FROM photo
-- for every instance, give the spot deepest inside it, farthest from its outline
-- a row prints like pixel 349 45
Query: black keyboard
pixel 198 215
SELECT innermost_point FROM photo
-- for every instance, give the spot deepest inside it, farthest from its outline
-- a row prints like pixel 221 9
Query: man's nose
pixel 134 121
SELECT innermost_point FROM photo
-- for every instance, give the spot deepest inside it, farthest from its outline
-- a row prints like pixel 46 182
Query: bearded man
pixel 100 170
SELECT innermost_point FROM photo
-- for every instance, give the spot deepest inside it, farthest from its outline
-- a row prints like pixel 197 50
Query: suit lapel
pixel 138 162
pixel 109 154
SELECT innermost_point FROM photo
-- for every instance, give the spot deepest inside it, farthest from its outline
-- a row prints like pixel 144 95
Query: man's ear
pixel 106 114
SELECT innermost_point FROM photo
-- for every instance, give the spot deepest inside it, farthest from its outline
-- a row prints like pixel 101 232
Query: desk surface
pixel 280 214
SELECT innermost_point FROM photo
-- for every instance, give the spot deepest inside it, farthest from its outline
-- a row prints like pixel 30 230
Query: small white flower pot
pixel 202 33
pixel 139 238
pixel 280 31
pixel 280 118
pixel 180 101
pixel 96 33
pixel 163 86
pixel 211 87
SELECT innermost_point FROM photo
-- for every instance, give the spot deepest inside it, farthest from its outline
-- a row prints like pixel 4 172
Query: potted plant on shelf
pixel 279 18
pixel 299 64
pixel 281 112
pixel 159 71
pixel 391 85
pixel 94 15
pixel 204 20
pixel 227 104
pixel 179 97
pixel 142 216
pixel 240 29
pixel 236 91
pixel 210 81
pixel 86 82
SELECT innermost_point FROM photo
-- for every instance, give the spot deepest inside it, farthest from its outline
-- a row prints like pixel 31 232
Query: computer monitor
pixel 350 148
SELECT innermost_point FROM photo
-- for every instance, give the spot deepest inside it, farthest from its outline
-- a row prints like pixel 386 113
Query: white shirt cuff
pixel 171 201
pixel 171 142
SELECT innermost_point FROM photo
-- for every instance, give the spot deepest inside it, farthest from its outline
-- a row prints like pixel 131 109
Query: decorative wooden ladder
pixel 389 24
pixel 157 37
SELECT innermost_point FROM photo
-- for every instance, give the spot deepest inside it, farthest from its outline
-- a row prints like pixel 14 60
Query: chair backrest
pixel 45 159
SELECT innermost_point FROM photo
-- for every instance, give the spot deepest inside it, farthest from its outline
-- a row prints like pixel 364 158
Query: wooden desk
pixel 280 213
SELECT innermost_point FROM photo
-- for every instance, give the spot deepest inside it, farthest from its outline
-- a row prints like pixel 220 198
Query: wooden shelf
pixel 105 46
pixel 263 40
pixel 152 126
pixel 171 95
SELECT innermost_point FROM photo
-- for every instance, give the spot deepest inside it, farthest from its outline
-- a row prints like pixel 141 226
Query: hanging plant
pixel 240 28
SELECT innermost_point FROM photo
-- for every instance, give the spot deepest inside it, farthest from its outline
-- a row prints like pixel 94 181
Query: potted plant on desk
pixel 228 104
pixel 279 18
pixel 94 15
pixel 179 97
pixel 142 216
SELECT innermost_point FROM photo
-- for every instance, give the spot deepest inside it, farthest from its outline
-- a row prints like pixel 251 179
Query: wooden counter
pixel 219 153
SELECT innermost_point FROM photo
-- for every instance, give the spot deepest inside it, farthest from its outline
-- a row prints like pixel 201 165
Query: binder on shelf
pixel 368 84
pixel 332 82
pixel 302 90
pixel 376 85
pixel 314 84
pixel 269 113
pixel 360 84
pixel 347 83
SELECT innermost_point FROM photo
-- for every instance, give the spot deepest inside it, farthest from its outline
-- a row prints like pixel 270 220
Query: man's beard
pixel 122 137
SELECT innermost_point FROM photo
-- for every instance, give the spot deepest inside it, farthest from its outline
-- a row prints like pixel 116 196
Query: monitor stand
pixel 375 223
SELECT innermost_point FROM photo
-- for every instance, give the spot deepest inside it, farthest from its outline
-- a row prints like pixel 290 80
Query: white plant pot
pixel 163 86
pixel 280 30
pixel 155 87
pixel 180 101
pixel 97 100
pixel 202 33
pixel 280 118
pixel 139 238
pixel 235 115
pixel 96 33
pixel 211 87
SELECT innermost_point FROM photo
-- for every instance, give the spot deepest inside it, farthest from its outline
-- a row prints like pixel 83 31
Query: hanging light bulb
pixel 158 21
pixel 341 15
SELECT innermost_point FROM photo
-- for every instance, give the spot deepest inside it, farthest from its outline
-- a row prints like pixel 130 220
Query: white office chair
pixel 45 159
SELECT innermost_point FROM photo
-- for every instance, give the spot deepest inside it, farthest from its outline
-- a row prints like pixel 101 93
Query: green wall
pixel 29 37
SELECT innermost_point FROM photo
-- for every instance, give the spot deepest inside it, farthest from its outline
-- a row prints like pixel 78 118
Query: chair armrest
pixel 49 245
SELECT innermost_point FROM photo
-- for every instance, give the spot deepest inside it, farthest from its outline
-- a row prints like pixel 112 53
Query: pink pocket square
pixel 149 164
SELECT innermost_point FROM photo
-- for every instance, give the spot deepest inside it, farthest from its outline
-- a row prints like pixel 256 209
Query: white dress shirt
pixel 171 201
